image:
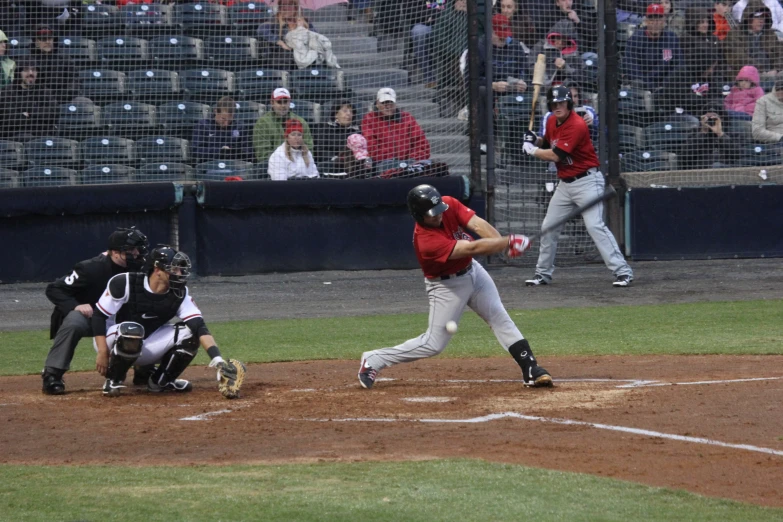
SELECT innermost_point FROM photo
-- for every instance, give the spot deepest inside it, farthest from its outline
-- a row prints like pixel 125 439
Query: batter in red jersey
pixel 567 143
pixel 453 281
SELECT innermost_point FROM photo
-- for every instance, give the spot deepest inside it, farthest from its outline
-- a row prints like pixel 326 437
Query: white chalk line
pixel 569 422
pixel 629 383
pixel 723 381
pixel 205 416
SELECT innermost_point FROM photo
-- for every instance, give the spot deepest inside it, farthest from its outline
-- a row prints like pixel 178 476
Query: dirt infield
pixel 721 438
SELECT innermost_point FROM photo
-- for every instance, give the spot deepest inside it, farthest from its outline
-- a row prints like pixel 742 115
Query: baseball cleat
pixel 367 375
pixel 538 377
pixel 52 385
pixel 623 280
pixel 177 385
pixel 112 388
pixel 536 281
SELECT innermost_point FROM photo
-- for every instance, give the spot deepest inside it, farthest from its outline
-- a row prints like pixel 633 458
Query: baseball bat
pixel 539 70
pixel 609 193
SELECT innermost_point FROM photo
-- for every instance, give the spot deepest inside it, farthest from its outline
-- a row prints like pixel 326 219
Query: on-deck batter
pixel 454 280
pixel 567 143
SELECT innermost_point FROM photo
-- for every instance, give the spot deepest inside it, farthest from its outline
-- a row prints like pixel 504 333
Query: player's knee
pixel 186 341
pixel 130 339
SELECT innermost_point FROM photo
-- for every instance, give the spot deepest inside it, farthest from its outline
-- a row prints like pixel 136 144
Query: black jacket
pixel 84 285
pixel 26 111
pixel 330 140
pixel 55 72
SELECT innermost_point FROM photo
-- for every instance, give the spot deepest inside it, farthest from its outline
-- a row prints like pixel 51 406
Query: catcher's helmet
pixel 425 200
pixel 126 240
pixel 558 94
pixel 176 264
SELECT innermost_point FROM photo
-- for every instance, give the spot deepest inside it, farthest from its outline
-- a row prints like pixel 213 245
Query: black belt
pixel 460 273
pixel 574 178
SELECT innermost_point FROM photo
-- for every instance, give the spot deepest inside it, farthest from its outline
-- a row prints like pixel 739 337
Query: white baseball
pixel 451 327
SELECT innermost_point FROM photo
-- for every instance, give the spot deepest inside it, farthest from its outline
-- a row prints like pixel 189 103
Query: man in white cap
pixel 269 131
pixel 394 138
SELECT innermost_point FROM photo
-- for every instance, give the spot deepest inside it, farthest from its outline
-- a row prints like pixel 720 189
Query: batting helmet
pixel 425 200
pixel 558 94
pixel 176 264
pixel 127 240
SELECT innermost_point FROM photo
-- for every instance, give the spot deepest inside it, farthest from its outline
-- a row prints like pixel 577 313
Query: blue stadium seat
pixel 179 118
pixel 79 120
pixel 258 84
pixel 48 177
pixel 245 17
pixel 201 18
pixel 207 84
pixel 318 85
pixel 158 172
pixel 513 118
pixel 9 178
pixel 218 170
pixel 123 52
pixel 52 152
pixel 759 155
pixel 224 50
pixel 81 51
pixel 98 20
pixel 154 85
pixel 310 111
pixel 130 119
pixel 108 149
pixel 631 138
pixel 177 52
pixel 648 161
pixel 670 135
pixel 146 19
pixel 19 46
pixel 102 84
pixel 103 174
pixel 248 112
pixel 635 106
pixel 11 155
pixel 162 149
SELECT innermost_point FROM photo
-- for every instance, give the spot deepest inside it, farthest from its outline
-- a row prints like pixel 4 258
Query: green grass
pixel 738 328
pixel 428 491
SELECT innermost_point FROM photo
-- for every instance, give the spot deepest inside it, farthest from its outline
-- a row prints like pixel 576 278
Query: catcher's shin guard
pixel 126 350
pixel 173 363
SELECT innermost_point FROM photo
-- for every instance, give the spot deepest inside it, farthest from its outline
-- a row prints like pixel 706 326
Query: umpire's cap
pixel 425 200
pixel 559 93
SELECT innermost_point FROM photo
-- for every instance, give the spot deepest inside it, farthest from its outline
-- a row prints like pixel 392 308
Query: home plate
pixel 428 399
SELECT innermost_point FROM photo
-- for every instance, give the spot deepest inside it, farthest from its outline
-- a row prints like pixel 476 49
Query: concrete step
pixel 376 78
pixel 329 14
pixel 354 44
pixel 370 59
pixel 448 144
pixel 414 93
pixel 337 29
pixel 448 126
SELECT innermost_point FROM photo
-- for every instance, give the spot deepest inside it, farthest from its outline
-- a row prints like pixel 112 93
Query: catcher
pixel 142 304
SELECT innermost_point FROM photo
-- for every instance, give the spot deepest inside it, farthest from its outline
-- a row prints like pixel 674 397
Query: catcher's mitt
pixel 230 376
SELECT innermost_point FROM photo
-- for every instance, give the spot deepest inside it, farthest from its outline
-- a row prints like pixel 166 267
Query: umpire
pixel 75 295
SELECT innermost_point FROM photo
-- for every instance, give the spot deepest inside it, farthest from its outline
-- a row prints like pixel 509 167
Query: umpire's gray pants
pixel 74 327
pixel 567 197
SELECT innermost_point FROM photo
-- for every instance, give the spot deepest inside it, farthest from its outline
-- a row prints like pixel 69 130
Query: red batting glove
pixel 517 245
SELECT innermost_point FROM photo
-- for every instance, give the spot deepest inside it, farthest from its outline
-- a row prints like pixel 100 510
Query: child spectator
pixel 356 159
pixel 724 21
pixel 7 65
pixel 220 137
pixel 746 90
pixel 768 115
pixel 292 159
pixel 755 43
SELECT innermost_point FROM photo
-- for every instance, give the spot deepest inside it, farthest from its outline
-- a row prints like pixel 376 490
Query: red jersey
pixel 572 137
pixel 433 246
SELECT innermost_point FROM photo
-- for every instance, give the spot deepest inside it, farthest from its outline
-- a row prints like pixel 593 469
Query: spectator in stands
pixel 675 18
pixel 768 115
pixel 292 159
pixel 55 71
pixel 562 58
pixel 523 30
pixel 393 136
pixel 709 146
pixel 310 49
pixel 268 132
pixel 26 108
pixel 220 137
pixel 740 10
pixel 7 65
pixel 755 43
pixel 449 40
pixel 741 100
pixel 355 158
pixel 631 11
pixel 288 18
pixel 653 53
pixel 330 137
pixel 588 113
pixel 581 15
pixel 724 21
pixel 421 36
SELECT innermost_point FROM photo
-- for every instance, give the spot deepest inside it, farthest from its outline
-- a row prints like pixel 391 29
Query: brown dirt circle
pixel 316 411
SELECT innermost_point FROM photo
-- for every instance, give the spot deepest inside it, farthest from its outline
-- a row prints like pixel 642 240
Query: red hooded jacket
pixel 397 137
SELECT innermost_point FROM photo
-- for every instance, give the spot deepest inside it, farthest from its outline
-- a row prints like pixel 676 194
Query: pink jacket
pixel 740 100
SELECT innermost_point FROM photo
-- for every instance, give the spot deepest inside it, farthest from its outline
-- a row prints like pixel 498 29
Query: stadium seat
pixel 81 51
pixel 513 117
pixel 207 84
pixel 648 161
pixel 130 119
pixel 108 149
pixel 155 172
pixel 19 46
pixel 631 138
pixel 759 155
pixel 248 112
pixel 47 177
pixel 589 73
pixel 79 120
pixel 146 19
pixel 11 154
pixel 102 84
pixel 310 111
pixel 162 149
pixel 179 118
pixel 9 178
pixel 739 130
pixel 98 20
pixel 224 50
pixel 245 17
pixel 103 174
pixel 258 84
pixel 123 52
pixel 52 152
pixel 177 51
pixel 318 85
pixel 635 106
pixel 218 170
pixel 154 85
pixel 670 135
pixel 201 18
pixel 258 172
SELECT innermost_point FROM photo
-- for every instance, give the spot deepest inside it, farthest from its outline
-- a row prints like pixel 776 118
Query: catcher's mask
pixel 558 94
pixel 176 264
pixel 425 200
pixel 126 240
